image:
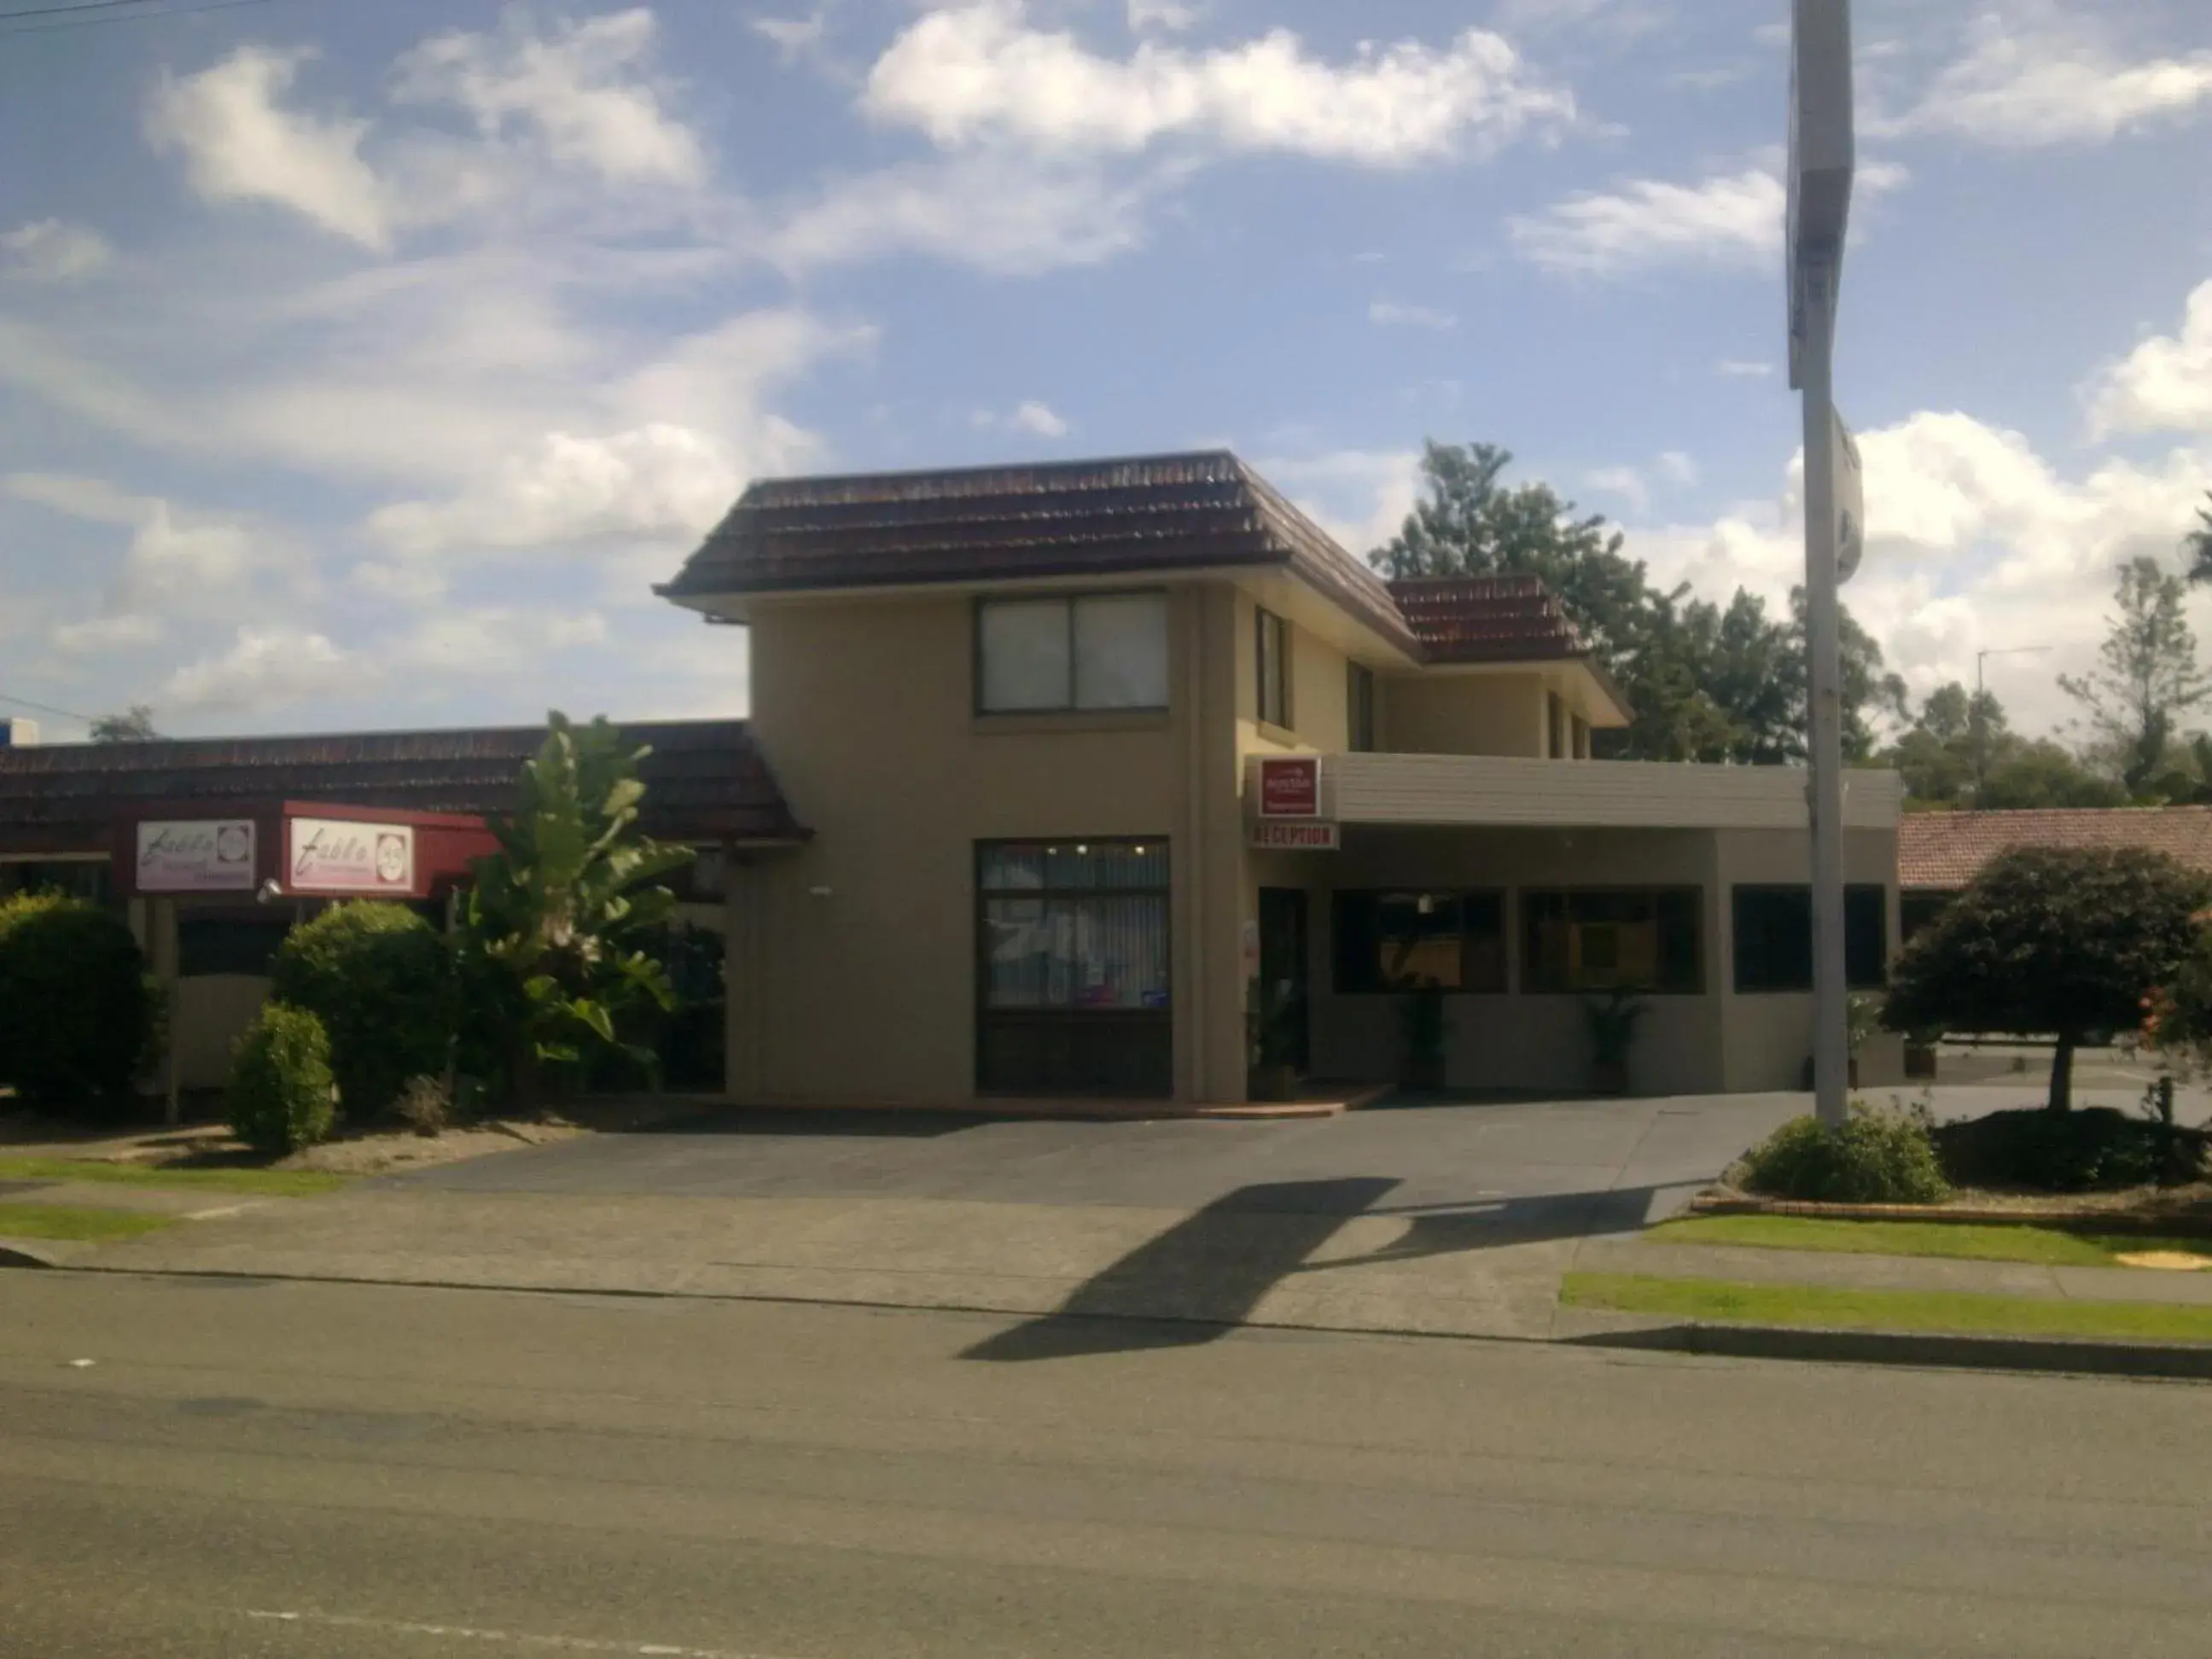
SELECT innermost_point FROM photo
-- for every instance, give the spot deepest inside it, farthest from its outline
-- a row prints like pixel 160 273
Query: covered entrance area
pixel 1531 899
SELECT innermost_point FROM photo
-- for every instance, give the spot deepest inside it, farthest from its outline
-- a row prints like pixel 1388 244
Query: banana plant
pixel 555 918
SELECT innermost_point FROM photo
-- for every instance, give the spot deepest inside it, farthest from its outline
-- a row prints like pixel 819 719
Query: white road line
pixel 518 1639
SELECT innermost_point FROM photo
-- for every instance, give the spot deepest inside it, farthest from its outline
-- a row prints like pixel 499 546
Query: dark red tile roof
pixel 1486 618
pixel 1162 513
pixel 705 779
pixel 1945 850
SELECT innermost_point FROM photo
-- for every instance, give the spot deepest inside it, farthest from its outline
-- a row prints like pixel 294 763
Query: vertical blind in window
pixel 1075 925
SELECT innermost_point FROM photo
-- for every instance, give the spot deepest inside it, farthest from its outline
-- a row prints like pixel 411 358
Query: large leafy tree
pixel 553 944
pixel 2196 545
pixel 1960 751
pixel 1704 682
pixel 2063 942
pixel 2146 676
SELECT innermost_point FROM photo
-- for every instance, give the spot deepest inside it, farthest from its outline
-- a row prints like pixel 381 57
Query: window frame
pixel 1151 1025
pixel 1068 603
pixel 1359 721
pixel 1866 892
pixel 1265 624
pixel 1342 897
pixel 1698 982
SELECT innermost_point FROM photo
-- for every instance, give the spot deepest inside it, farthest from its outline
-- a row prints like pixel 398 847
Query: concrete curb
pixel 1931 1349
pixel 29 1253
pixel 2083 1218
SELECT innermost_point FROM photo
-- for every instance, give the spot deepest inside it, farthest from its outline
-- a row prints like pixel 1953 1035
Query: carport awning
pixel 1445 790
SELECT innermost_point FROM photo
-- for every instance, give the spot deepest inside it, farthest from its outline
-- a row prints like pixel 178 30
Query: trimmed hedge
pixel 279 1097
pixel 381 980
pixel 2096 1149
pixel 1875 1158
pixel 77 1012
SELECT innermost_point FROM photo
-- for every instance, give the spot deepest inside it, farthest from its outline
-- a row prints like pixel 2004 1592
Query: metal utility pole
pixel 1821 163
pixel 1976 725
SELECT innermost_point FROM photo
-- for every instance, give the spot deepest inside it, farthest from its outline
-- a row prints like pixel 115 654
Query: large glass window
pixel 1603 939
pixel 1090 651
pixel 1359 709
pixel 1773 928
pixel 1271 654
pixel 83 878
pixel 1392 941
pixel 1074 988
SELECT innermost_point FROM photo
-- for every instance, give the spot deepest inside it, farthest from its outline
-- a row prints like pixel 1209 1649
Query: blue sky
pixel 363 366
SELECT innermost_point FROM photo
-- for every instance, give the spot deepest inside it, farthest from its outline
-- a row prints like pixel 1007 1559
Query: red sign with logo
pixel 1290 788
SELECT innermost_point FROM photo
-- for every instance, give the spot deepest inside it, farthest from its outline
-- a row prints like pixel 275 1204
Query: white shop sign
pixel 336 855
pixel 195 855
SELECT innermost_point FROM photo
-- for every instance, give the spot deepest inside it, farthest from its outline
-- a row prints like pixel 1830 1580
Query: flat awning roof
pixel 1445 790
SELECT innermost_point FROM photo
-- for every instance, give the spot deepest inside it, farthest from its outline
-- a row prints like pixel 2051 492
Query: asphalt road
pixel 313 1471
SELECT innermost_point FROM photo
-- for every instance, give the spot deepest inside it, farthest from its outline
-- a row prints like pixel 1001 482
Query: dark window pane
pixel 1022 652
pixel 1386 941
pixel 226 945
pixel 1646 940
pixel 1773 932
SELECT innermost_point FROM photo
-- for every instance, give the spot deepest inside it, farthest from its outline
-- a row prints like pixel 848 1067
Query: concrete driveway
pixel 1423 1158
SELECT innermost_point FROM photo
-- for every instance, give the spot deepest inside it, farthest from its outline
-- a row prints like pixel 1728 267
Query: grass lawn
pixel 1973 1242
pixel 56 1221
pixel 1885 1310
pixel 272 1183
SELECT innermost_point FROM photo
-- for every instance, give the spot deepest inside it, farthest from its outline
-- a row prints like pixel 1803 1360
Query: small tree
pixel 551 948
pixel 2064 941
pixel 134 724
pixel 381 980
pixel 2147 676
pixel 278 1099
pixel 76 1013
pixel 2196 545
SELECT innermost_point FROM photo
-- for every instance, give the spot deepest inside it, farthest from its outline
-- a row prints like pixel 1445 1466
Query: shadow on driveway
pixel 1192 1284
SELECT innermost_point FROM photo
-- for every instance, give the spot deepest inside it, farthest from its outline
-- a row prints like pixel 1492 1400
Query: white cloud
pixel 492 639
pixel 1174 16
pixel 264 669
pixel 1359 496
pixel 126 631
pixel 1625 482
pixel 2042 78
pixel 1037 418
pixel 581 91
pixel 1738 368
pixel 794 37
pixel 2165 384
pixel 94 500
pixel 659 480
pixel 1010 216
pixel 191 561
pixel 1974 541
pixel 52 250
pixel 1731 220
pixel 979 71
pixel 241 146
pixel 1390 314
pixel 1677 467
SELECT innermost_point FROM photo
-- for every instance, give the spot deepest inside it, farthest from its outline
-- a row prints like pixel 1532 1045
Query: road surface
pixel 312 1471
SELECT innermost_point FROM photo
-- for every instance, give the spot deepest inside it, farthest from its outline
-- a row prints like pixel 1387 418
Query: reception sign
pixel 340 855
pixel 195 855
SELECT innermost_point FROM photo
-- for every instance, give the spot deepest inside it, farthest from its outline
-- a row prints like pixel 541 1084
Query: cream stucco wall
pixel 1465 714
pixel 852 960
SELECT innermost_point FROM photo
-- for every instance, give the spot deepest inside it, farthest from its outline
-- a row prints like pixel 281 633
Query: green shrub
pixel 1875 1158
pixel 77 1012
pixel 380 979
pixel 2095 1149
pixel 279 1097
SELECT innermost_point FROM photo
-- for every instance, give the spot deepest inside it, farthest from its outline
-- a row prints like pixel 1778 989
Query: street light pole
pixel 1977 725
pixel 1822 166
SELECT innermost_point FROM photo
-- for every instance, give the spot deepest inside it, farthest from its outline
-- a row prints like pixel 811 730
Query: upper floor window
pixel 1359 709
pixel 1272 653
pixel 1084 651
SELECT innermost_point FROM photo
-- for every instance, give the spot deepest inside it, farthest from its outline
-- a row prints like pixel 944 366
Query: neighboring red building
pixel 1939 853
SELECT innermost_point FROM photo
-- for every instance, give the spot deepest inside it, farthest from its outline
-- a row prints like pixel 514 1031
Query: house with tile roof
pixel 1054 778
pixel 1103 758
pixel 1938 854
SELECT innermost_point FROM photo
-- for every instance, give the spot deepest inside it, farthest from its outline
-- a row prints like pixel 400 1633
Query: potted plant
pixel 1612 1020
pixel 1920 1053
pixel 1421 1026
pixel 1271 1031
